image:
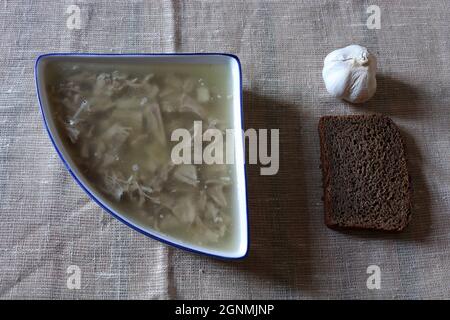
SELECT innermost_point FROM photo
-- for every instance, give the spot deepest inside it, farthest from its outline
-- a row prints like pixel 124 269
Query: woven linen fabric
pixel 47 223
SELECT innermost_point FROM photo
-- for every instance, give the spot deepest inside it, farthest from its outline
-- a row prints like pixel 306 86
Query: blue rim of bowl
pixel 98 201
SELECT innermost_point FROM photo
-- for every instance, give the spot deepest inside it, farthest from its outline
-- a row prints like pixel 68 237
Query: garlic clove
pixel 337 82
pixel 350 74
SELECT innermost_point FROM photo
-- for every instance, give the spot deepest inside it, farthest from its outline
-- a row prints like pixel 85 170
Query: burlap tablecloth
pixel 48 223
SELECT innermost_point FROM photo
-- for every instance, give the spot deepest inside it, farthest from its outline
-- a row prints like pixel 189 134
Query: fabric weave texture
pixel 48 223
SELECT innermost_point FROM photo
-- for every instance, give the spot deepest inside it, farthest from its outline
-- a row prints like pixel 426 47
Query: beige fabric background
pixel 48 223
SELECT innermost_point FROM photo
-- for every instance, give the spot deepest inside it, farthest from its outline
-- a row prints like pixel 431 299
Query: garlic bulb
pixel 349 74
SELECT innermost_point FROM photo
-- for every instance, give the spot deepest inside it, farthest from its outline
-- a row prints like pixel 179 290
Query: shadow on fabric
pixel 279 213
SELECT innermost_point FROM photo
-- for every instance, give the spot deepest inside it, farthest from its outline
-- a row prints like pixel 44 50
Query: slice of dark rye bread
pixel 365 177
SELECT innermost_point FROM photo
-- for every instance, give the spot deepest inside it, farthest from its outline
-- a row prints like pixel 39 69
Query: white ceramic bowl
pixel 240 248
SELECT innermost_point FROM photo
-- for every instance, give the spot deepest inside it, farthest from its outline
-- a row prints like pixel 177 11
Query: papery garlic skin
pixel 350 74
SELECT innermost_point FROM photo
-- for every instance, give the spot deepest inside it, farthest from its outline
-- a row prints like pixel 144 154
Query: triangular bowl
pixel 239 248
